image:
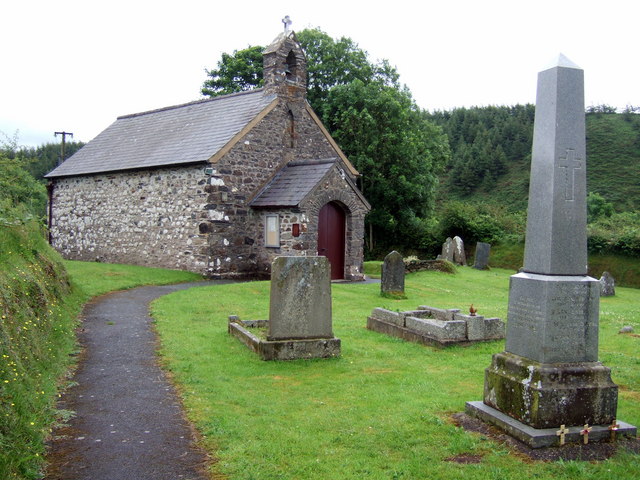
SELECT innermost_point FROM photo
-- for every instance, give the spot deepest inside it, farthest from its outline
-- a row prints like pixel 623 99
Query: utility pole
pixel 64 137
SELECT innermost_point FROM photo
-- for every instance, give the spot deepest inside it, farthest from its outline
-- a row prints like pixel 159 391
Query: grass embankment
pixel 39 305
pixel 382 410
pixel 36 337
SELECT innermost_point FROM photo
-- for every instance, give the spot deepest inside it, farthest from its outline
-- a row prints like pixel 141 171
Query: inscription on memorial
pixel 525 314
pixel 568 313
pixel 569 164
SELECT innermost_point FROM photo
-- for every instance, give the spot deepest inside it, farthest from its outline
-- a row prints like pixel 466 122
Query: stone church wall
pixel 145 217
pixel 236 232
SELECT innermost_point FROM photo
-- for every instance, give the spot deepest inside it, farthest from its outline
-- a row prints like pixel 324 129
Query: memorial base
pixel 547 395
pixel 282 349
pixel 545 437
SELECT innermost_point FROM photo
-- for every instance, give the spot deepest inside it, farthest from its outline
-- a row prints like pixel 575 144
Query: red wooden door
pixel 331 229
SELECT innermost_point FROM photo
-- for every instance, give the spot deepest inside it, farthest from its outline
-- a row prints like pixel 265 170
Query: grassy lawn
pixel 382 410
pixel 98 278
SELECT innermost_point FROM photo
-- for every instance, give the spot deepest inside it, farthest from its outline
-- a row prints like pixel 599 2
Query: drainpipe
pixel 50 213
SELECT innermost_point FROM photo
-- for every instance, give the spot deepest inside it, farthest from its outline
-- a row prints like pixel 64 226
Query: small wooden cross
pixel 585 433
pixel 612 428
pixel 561 433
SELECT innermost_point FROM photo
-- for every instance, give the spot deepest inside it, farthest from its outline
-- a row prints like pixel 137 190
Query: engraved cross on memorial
pixel 549 373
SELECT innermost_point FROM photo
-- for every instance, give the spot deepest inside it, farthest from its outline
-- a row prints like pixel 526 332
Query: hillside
pixel 613 156
pixel 482 137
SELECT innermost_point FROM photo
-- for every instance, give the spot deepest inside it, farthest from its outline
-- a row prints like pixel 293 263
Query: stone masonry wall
pixel 236 231
pixel 336 189
pixel 146 217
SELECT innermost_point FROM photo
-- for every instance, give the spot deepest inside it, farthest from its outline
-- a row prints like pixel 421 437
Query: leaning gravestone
pixel 392 282
pixel 459 257
pixel 447 250
pixel 607 285
pixel 482 256
pixel 549 374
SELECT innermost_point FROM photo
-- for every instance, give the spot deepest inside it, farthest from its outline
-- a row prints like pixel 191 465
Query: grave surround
pixel 435 326
pixel 300 321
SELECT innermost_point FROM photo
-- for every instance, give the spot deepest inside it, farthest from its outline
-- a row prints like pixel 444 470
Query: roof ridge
pixel 194 102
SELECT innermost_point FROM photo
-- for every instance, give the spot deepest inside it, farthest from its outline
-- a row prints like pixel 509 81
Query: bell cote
pixel 285 67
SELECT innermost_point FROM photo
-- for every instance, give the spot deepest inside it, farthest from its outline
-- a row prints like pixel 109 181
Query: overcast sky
pixel 77 65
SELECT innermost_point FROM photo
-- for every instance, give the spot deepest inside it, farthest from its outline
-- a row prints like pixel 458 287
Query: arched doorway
pixel 331 236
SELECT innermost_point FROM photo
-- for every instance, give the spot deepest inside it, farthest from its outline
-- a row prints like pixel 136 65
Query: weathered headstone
pixel 392 282
pixel 607 285
pixel 300 302
pixel 447 250
pixel 482 256
pixel 549 373
pixel 459 257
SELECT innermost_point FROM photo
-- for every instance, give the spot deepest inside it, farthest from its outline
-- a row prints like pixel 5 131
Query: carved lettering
pixel 525 314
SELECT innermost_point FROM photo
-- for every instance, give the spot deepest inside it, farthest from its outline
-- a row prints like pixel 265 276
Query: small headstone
pixel 626 329
pixel 607 285
pixel 482 256
pixel 447 250
pixel 392 282
pixel 459 257
pixel 300 305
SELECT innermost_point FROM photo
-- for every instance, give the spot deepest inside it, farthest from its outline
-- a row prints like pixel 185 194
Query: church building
pixel 219 186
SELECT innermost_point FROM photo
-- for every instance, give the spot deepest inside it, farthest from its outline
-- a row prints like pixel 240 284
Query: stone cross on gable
pixel 287 23
pixel 569 164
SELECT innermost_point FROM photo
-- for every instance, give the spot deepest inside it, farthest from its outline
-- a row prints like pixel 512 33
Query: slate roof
pixel 293 183
pixel 180 134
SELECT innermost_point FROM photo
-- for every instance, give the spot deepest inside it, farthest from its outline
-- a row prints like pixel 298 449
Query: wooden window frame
pixel 272 235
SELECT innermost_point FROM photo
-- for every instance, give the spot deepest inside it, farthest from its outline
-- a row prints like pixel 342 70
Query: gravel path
pixel 129 422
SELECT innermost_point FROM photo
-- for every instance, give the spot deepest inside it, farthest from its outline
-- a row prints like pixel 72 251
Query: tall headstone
pixel 392 282
pixel 300 302
pixel 483 250
pixel 549 374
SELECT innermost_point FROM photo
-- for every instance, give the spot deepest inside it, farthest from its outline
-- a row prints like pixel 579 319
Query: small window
pixel 290 134
pixel 272 231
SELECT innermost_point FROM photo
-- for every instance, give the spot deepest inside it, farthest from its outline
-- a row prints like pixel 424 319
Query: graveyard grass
pixel 383 409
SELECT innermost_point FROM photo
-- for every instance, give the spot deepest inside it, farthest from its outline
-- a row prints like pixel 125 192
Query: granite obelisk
pixel 549 374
